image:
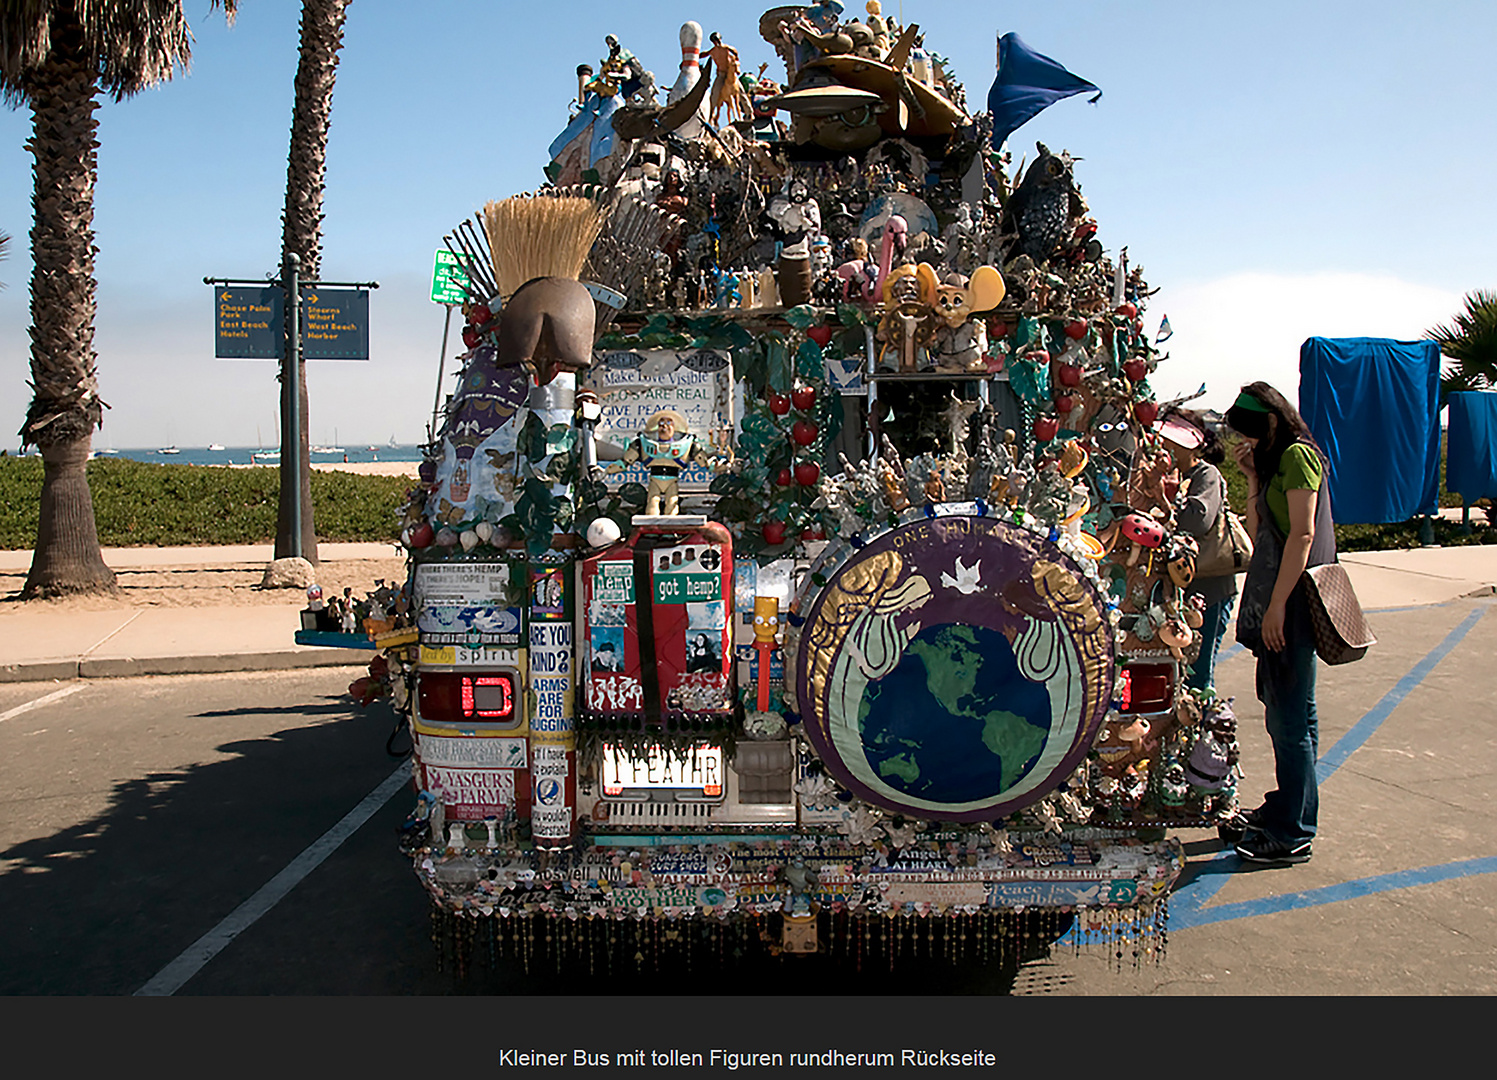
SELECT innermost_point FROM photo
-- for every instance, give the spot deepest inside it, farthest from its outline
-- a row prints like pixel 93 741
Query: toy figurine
pixel 795 219
pixel 908 293
pixel 666 447
pixel 960 341
pixel 766 627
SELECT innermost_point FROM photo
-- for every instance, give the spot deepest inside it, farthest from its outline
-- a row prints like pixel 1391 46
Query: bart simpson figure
pixel 766 628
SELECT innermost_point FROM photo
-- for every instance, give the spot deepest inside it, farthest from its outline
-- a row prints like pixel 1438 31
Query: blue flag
pixel 1165 331
pixel 1027 82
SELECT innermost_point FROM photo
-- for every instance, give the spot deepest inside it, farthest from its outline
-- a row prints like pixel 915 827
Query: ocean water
pixel 242 455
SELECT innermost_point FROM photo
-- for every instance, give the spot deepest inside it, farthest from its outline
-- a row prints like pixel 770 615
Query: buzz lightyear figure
pixel 666 447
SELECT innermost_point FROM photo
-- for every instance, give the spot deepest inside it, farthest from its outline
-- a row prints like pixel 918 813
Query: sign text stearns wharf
pixel 249 323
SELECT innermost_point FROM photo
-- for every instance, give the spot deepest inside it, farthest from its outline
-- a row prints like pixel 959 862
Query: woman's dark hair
pixel 1273 439
pixel 1211 450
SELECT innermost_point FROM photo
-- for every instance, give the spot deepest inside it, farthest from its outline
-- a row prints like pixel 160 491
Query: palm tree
pixel 1471 341
pixel 301 234
pixel 57 57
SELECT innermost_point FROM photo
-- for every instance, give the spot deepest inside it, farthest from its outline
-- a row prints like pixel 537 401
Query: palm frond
pixel 1470 340
pixel 131 44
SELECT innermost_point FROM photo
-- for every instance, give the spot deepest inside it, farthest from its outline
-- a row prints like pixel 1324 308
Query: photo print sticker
pixel 606 649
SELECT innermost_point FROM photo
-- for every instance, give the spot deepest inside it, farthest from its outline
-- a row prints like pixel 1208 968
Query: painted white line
pixel 46 699
pixel 171 978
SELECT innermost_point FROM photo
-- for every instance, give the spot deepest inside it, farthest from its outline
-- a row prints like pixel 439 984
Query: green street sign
pixel 449 279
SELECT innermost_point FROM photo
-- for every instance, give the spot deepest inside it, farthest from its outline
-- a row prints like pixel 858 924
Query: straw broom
pixel 531 237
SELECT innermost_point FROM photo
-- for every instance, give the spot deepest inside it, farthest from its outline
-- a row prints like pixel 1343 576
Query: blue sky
pixel 1279 169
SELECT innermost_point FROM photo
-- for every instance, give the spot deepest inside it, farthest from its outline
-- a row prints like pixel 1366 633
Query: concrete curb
pixel 128 667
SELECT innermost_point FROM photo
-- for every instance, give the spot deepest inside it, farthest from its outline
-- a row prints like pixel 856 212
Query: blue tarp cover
pixel 1374 407
pixel 1471 446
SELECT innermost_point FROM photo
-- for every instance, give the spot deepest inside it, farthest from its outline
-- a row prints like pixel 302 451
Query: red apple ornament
pixel 783 478
pixel 479 314
pixel 1064 403
pixel 803 397
pixel 1046 428
pixel 1069 375
pixel 1076 329
pixel 1135 369
pixel 806 473
pixel 779 404
pixel 1146 412
pixel 774 532
pixel 804 432
pixel 1127 311
pixel 820 334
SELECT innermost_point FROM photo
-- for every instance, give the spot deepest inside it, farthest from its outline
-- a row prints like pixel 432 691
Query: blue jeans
pixel 1213 626
pixel 1286 686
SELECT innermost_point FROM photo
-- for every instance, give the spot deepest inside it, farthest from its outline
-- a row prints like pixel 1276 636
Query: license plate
pixel 697 772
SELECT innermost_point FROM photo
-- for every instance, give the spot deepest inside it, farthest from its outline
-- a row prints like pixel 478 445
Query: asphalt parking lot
pixel 234 834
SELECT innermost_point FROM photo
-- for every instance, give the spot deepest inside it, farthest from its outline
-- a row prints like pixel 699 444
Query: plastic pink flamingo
pixel 896 234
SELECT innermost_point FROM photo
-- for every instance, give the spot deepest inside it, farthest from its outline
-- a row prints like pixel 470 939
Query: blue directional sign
pixel 334 323
pixel 248 322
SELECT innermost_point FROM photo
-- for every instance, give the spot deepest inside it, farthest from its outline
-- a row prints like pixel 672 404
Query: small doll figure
pixel 666 447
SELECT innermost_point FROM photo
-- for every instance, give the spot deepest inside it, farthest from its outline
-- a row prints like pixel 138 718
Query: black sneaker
pixel 1258 847
pixel 1234 828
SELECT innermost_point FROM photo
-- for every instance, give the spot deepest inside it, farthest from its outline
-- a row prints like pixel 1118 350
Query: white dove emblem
pixel 965 581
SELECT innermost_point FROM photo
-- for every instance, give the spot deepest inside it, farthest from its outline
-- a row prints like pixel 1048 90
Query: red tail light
pixel 1147 688
pixel 456 697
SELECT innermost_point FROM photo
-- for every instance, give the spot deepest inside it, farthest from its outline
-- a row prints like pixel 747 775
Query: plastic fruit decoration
pixel 471 337
pixel 820 334
pixel 1135 369
pixel 779 404
pixel 804 432
pixel 1064 403
pixel 422 535
pixel 803 397
pixel 806 473
pixel 1069 375
pixel 1046 428
pixel 783 478
pixel 479 315
pixel 1076 329
pixel 1146 412
pixel 1127 311
pixel 774 532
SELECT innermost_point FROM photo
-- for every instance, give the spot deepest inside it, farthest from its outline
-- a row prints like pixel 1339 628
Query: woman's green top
pixel 1300 469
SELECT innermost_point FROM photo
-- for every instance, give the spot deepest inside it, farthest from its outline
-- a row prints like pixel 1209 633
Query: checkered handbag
pixel 1341 631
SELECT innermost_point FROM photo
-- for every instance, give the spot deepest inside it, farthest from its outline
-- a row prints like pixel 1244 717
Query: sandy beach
pixel 367 468
pixel 371 468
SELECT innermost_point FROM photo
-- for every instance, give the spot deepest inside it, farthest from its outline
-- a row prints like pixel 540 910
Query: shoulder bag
pixel 1341 631
pixel 1226 549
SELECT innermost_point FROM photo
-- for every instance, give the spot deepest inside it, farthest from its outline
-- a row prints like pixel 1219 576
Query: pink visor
pixel 1182 434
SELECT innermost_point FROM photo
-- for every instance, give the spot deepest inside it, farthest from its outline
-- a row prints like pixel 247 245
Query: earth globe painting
pixel 956 668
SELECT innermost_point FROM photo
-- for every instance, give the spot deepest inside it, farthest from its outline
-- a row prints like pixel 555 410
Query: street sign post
pixel 449 279
pixel 328 320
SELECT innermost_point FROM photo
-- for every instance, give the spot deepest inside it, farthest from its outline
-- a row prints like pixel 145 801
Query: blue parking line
pixel 1188 903
pixel 1329 894
pixel 1364 728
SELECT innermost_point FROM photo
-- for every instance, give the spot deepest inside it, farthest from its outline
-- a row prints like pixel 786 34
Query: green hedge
pixel 142 504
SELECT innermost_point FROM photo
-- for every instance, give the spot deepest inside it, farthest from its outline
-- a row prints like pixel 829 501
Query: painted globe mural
pixel 957 668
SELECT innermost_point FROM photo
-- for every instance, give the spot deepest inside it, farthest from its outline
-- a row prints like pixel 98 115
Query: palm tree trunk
pixel 65 405
pixel 301 232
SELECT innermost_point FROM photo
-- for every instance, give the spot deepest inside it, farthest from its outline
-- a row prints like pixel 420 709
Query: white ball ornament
pixel 602 532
